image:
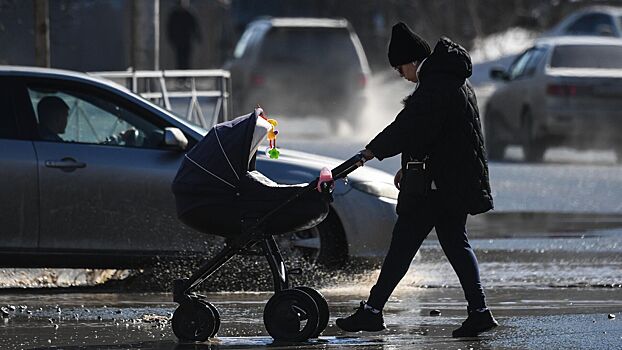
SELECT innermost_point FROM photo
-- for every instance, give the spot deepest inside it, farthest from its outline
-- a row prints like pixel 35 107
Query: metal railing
pixel 201 96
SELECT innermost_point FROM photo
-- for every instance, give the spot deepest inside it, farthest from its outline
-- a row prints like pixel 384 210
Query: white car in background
pixel 562 91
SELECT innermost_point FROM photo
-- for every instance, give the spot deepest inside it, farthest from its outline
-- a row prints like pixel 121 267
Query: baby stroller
pixel 218 191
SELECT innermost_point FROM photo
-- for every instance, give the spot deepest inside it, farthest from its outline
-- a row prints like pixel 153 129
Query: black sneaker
pixel 362 320
pixel 476 323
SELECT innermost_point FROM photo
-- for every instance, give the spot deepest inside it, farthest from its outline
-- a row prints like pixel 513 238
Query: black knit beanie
pixel 406 46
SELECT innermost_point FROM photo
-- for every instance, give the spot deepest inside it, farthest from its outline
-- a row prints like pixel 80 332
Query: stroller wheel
pixel 215 313
pixel 193 321
pixel 291 315
pixel 322 307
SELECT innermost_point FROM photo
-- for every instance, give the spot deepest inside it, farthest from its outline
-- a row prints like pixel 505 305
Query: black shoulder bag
pixel 416 178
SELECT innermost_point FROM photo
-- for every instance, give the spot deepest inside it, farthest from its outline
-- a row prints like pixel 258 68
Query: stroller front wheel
pixel 194 320
pixel 291 315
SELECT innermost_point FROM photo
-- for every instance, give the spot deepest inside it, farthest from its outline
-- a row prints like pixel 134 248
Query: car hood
pixel 302 166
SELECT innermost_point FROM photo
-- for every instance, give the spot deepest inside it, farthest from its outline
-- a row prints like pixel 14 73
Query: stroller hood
pixel 218 179
pixel 225 154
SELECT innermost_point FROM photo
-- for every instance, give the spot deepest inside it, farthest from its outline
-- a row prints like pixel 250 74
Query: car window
pixel 534 60
pixel 249 39
pixel 8 123
pixel 518 67
pixel 308 45
pixel 242 44
pixel 593 24
pixel 72 116
pixel 587 56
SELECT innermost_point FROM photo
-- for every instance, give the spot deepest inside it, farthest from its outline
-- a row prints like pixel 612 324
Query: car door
pixel 105 180
pixel 19 214
pixel 534 84
pixel 510 97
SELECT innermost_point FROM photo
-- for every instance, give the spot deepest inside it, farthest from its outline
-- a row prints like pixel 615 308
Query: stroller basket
pixel 218 191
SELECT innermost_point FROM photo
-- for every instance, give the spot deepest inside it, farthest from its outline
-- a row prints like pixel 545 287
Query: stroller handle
pixel 348 166
pixel 339 172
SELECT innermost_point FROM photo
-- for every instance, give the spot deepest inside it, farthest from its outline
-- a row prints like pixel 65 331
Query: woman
pixel 444 174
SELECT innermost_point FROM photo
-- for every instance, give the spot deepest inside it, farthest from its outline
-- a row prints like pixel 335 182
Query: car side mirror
pixel 498 73
pixel 174 138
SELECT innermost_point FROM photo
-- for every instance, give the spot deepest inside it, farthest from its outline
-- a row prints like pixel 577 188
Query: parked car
pixel 561 91
pixel 300 67
pixel 99 195
pixel 592 20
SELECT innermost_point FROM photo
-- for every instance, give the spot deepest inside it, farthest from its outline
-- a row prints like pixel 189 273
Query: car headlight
pixel 378 189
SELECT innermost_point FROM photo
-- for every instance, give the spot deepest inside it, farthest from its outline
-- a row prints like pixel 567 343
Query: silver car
pixel 562 91
pixel 99 195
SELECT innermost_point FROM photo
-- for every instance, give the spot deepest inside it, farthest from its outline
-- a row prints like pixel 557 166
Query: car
pixel 562 91
pixel 99 196
pixel 301 67
pixel 592 21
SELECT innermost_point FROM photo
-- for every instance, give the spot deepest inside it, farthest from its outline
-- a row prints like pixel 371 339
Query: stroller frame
pixel 242 245
pixel 305 301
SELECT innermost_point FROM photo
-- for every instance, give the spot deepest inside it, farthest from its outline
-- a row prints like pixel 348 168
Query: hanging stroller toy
pixel 218 191
pixel 272 151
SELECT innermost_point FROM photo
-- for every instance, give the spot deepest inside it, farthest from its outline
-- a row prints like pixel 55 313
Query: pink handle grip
pixel 325 176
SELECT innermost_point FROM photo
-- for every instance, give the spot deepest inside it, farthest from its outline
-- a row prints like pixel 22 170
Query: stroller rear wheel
pixel 291 315
pixel 216 316
pixel 322 306
pixel 193 320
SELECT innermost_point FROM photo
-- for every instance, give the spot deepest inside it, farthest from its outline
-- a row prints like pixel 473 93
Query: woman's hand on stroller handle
pixel 367 154
pixel 349 166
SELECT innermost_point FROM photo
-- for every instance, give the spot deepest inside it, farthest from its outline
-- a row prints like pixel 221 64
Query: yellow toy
pixel 272 151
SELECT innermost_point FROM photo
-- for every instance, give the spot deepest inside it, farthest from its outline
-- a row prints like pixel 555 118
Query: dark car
pixel 300 67
pixel 98 193
pixel 563 91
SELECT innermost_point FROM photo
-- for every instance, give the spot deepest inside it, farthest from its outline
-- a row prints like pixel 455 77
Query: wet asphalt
pixel 533 319
pixel 549 289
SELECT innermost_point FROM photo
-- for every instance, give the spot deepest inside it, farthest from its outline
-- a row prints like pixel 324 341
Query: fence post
pixel 42 33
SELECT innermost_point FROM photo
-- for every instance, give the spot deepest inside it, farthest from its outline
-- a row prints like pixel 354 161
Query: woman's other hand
pixel 397 179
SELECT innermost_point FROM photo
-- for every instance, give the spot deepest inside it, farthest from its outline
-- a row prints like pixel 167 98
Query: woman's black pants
pixel 413 225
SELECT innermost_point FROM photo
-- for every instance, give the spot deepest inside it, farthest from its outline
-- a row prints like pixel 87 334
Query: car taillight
pixel 257 80
pixel 561 90
pixel 362 80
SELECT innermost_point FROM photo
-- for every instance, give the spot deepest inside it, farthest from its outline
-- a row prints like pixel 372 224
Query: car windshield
pixel 171 113
pixel 587 56
pixel 309 46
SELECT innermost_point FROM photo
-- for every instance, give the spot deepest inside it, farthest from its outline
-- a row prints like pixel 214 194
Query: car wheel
pixel 324 244
pixel 533 148
pixel 495 148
